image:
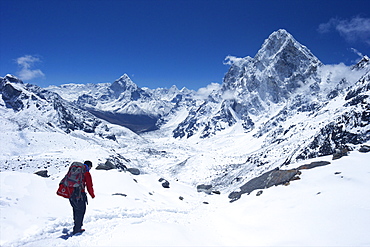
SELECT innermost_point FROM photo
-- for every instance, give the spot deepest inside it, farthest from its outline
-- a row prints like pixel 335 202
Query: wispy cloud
pixel 355 29
pixel 26 64
pixel 204 92
pixel 357 52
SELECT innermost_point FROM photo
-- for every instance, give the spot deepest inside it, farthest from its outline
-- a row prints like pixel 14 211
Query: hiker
pixel 78 199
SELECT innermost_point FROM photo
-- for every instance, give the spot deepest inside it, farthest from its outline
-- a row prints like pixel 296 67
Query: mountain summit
pixel 124 85
pixel 280 67
pixel 255 86
pixel 281 45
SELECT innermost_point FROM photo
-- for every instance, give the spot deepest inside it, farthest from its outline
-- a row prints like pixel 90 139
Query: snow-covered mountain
pixel 38 124
pixel 123 102
pixel 271 113
pixel 34 108
pixel 279 107
pixel 282 72
pixel 288 104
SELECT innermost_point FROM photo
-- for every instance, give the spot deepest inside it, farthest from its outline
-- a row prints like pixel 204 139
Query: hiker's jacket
pixel 87 181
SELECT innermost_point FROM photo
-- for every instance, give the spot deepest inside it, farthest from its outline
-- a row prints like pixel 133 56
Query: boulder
pixel 108 165
pixel 42 173
pixel 134 171
pixel 313 165
pixel 340 153
pixel 364 149
pixel 204 188
pixel 165 183
pixel 266 180
pixel 119 194
pixel 235 195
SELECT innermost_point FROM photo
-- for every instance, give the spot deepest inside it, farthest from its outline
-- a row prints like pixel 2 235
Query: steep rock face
pixel 254 86
pixel 289 104
pixel 11 95
pixel 125 85
pixel 307 127
pixel 350 127
pixel 280 67
pixel 363 64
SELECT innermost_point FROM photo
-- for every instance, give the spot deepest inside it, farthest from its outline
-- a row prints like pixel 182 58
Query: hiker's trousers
pixel 79 209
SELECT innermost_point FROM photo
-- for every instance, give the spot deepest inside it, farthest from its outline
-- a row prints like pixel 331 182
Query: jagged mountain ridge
pixel 282 72
pixel 253 86
pixel 284 108
pixel 34 108
pixel 275 72
pixel 123 102
pixel 289 109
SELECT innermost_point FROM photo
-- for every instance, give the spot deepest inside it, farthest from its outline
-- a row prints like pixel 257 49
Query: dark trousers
pixel 79 208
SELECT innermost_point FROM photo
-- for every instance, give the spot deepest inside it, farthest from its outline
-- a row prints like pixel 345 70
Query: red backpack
pixel 72 181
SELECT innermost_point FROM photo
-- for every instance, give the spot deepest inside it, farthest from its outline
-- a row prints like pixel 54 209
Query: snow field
pixel 329 206
pixel 321 209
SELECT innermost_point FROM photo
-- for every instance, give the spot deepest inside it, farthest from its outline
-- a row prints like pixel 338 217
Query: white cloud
pixel 325 27
pixel 228 95
pixel 204 92
pixel 335 73
pixel 357 52
pixel 355 29
pixel 230 60
pixel 26 64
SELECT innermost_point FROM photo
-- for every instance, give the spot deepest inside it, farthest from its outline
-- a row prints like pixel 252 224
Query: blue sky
pixel 163 43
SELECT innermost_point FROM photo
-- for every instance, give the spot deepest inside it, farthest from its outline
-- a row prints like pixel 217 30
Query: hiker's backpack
pixel 73 181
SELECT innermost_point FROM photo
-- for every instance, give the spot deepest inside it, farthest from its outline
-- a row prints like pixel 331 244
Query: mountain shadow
pixel 136 123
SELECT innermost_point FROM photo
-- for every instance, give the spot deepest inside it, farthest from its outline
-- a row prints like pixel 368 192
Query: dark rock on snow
pixel 313 165
pixel 273 178
pixel 340 153
pixel 364 149
pixel 119 194
pixel 134 171
pixel 43 173
pixel 165 183
pixel 108 165
pixel 266 180
pixel 204 188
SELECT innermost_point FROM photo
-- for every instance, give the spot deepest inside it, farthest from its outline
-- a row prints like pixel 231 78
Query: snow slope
pixel 329 206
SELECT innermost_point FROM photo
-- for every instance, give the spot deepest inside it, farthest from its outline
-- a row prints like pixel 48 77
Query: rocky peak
pixel 124 83
pixel 280 67
pixel 254 86
pixel 364 63
pixel 276 42
pixel 9 79
pixel 12 79
pixel 10 92
pixel 281 45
